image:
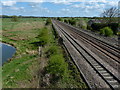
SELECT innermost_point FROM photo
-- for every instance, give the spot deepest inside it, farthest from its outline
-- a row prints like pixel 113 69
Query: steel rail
pixel 94 62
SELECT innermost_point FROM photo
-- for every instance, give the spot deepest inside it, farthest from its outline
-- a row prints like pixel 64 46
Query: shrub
pixel 107 31
pixel 57 66
pixel 98 26
pixel 55 32
pixel 43 40
pixel 89 27
pixel 114 27
pixel 52 50
pixel 82 24
pixel 14 18
pixel 66 21
pixel 102 31
pixel 60 19
pixel 118 33
pixel 72 22
pixel 48 21
pixel 43 36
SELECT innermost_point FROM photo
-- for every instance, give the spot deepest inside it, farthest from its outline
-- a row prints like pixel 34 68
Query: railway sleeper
pixel 101 70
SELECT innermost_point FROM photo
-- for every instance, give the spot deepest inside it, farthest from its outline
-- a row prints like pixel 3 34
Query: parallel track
pixel 112 52
pixel 107 76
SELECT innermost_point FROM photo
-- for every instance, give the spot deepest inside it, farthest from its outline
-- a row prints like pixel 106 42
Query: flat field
pixel 28 69
pixel 22 34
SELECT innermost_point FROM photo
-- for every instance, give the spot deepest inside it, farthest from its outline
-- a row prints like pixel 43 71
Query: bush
pixel 57 66
pixel 72 22
pixel 102 31
pixel 89 27
pixel 98 26
pixel 43 36
pixel 14 18
pixel 60 19
pixel 52 50
pixel 48 21
pixel 54 32
pixel 82 24
pixel 114 27
pixel 66 21
pixel 118 33
pixel 106 31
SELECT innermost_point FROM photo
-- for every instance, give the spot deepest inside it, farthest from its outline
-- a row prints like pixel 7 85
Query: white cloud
pixel 14 8
pixel 66 3
pixel 66 10
pixel 34 5
pixel 22 7
pixel 84 7
pixel 104 1
pixel 112 3
pixel 90 5
pixel 36 1
pixel 79 5
pixel 8 3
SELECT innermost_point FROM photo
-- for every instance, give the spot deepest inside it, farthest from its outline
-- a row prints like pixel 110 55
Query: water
pixel 6 51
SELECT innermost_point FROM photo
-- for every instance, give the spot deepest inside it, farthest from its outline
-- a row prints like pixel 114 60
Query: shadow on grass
pixel 37 43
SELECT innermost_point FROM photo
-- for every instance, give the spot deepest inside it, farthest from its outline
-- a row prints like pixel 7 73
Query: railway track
pixel 110 55
pixel 92 59
pixel 103 54
pixel 114 51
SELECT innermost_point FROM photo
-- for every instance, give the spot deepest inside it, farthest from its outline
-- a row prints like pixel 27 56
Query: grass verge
pixel 60 71
pixel 52 69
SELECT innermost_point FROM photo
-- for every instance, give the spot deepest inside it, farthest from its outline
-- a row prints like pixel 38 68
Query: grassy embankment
pixel 27 68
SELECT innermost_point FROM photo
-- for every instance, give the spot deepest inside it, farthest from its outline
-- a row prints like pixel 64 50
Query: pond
pixel 6 51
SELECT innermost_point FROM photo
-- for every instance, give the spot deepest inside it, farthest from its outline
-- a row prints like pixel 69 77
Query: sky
pixel 56 8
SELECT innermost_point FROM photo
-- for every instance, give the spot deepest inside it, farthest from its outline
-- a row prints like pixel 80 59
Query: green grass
pixel 26 67
pixel 17 71
pixel 62 74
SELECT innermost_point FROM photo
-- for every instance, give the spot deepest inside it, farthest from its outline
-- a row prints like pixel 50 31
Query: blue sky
pixel 55 8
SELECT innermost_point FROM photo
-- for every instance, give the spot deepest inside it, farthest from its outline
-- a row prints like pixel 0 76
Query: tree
pixel 14 18
pixel 60 19
pixel 82 24
pixel 48 21
pixel 72 21
pixel 109 14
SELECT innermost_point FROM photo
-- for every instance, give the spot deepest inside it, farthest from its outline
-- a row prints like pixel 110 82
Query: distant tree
pixel 5 16
pixel 60 19
pixel 72 21
pixel 82 24
pixel 108 14
pixel 48 21
pixel 14 18
pixel 66 21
